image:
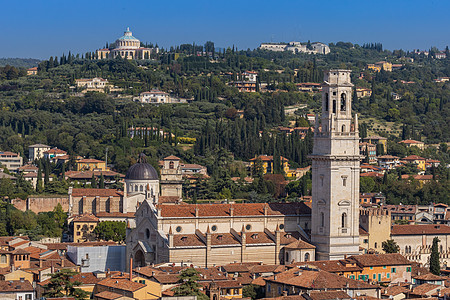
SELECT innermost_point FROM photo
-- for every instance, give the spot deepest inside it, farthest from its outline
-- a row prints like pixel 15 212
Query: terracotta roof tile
pixel 427 229
pixel 85 218
pixel 389 259
pixel 426 289
pixel 107 295
pixel 239 209
pixel 121 284
pixel 16 286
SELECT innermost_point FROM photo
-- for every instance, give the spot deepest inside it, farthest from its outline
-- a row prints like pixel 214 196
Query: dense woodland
pixel 47 108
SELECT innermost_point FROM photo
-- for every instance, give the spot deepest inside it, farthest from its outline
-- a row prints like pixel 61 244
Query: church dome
pixel 127 41
pixel 142 170
pixel 128 36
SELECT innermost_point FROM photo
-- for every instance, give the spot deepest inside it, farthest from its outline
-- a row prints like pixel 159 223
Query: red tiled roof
pixel 428 229
pixel 171 157
pixel 425 289
pixel 239 209
pixel 389 259
pixel 267 158
pixel 107 295
pixel 418 177
pixel 121 284
pixel 413 157
pixel 15 286
pixel 318 280
pixel 299 245
pixel 55 151
pixel 410 142
pixel 85 218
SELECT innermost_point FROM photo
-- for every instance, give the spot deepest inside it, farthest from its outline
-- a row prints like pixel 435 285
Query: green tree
pixel 39 187
pixel 101 183
pixel 62 284
pixel 435 265
pixel 189 285
pixel 93 181
pixel 111 231
pixel 390 246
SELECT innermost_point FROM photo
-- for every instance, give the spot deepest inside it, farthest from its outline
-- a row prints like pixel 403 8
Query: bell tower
pixel 335 171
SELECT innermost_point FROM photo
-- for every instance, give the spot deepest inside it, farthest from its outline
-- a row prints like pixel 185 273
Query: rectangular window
pixel 393 270
pixel 408 269
pixel 387 275
pixel 384 267
pixel 374 276
pixel 371 268
pixel 366 241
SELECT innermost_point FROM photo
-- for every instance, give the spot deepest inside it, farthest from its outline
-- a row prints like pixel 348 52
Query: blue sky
pixel 40 29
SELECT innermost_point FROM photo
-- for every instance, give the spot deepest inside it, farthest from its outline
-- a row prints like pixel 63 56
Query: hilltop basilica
pixel 127 46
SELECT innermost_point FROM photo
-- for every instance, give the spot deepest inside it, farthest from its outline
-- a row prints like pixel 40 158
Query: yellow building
pixel 410 143
pixel 267 163
pixel 378 66
pixel 89 164
pixel 83 227
pixel 18 275
pixel 416 160
pixel 32 71
pixel 377 224
pixel 388 268
pixel 363 92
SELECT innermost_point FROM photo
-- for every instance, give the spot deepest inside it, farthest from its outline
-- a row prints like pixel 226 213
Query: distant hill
pixel 19 62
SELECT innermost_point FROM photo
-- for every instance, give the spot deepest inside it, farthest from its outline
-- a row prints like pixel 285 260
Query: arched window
pixel 334 106
pixel 171 165
pixel 343 128
pixel 136 188
pixel 441 248
pixel 326 102
pixel 409 249
pixel 343 102
pixel 344 220
pixel 3 259
pixel 307 256
pixel 141 188
pixel 322 219
pixel 375 245
pixel 406 249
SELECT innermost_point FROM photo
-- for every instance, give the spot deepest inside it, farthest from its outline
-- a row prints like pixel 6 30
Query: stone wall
pixel 39 204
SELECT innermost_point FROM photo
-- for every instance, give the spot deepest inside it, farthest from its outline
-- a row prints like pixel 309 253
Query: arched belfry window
pixel 344 220
pixel 343 128
pixel 343 102
pixel 171 165
pixel 326 102
pixel 306 256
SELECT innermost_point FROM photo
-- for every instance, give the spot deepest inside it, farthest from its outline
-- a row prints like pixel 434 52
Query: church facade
pixel 335 171
pixel 215 234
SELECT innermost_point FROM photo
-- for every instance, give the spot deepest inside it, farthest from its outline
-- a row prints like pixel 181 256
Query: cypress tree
pixel 39 188
pixel 435 266
pixel 46 172
pixel 101 184
pixel 93 181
